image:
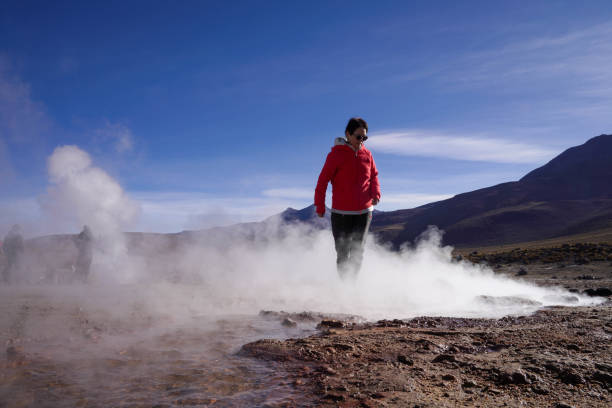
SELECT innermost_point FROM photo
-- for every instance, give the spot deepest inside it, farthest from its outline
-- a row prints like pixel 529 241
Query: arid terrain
pixel 556 357
pixel 86 345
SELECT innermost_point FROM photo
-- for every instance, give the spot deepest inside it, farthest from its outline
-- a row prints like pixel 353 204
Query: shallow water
pixel 82 347
pixel 168 345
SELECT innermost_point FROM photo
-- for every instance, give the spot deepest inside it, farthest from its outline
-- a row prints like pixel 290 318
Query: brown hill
pixel 571 194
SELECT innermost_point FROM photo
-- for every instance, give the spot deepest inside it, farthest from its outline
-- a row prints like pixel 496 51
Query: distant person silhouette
pixel 355 191
pixel 13 250
pixel 84 244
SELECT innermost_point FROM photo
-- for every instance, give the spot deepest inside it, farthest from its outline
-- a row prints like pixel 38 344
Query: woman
pixel 355 190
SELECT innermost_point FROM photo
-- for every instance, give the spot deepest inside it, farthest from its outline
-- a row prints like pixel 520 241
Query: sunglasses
pixel 360 138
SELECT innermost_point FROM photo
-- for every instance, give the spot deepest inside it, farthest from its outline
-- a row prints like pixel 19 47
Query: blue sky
pixel 209 113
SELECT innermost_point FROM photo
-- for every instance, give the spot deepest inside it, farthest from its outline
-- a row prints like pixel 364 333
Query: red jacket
pixel 353 176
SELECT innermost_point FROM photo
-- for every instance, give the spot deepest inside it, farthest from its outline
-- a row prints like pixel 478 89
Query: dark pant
pixel 350 233
pixel 9 268
pixel 82 268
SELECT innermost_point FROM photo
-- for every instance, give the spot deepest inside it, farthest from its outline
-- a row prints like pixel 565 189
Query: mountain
pixel 306 215
pixel 570 194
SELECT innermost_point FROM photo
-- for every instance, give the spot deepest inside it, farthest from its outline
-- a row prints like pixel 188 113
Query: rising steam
pixel 81 194
pixel 213 272
pixel 298 273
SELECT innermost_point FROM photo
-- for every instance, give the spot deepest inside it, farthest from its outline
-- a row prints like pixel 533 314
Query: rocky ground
pixel 557 357
pixel 581 253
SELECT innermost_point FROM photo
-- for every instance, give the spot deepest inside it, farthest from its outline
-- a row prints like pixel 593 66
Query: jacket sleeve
pixel 374 185
pixel 328 171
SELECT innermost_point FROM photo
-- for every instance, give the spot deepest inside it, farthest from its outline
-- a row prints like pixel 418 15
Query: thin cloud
pixel 561 78
pixel 119 135
pixel 7 172
pixel 298 193
pixel 580 59
pixel 22 120
pixel 458 147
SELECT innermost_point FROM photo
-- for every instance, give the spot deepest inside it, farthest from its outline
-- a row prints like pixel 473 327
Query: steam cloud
pixel 298 273
pixel 81 194
pixel 213 272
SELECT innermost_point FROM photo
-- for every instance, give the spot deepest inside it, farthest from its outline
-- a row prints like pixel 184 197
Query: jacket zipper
pixel 356 168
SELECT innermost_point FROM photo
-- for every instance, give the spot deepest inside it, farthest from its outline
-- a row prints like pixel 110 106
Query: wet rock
pixel 516 377
pixel 494 348
pixel 469 384
pixel 368 403
pixel 595 395
pixel 603 292
pixel 519 377
pixel 390 323
pixel 533 369
pixel 522 271
pixel 287 322
pixel 405 360
pixel 537 389
pixel 343 347
pixel 341 387
pixel 603 378
pixel 327 370
pixel 570 376
pixel 332 396
pixel 423 344
pixel 604 367
pixel 331 323
pixel 266 349
pixel 305 316
pixel 444 358
pixel 552 366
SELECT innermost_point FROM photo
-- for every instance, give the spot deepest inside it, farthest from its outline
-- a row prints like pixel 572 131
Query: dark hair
pixel 354 124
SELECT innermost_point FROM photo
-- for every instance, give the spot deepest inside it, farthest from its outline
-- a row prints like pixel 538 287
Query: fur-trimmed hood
pixel 340 141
